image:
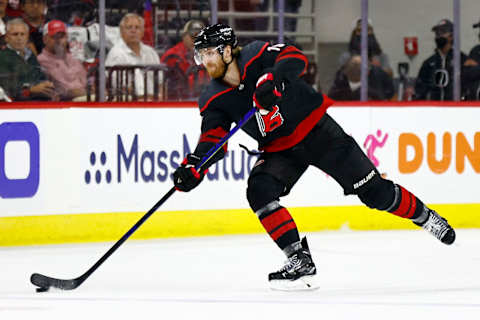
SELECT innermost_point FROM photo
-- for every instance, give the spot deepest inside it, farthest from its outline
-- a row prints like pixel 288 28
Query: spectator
pixel 435 78
pixel 3 8
pixel 475 52
pixel 473 87
pixel 347 82
pixel 20 74
pixel 375 53
pixel 185 79
pixel 131 51
pixel 34 15
pixel 13 9
pixel 67 73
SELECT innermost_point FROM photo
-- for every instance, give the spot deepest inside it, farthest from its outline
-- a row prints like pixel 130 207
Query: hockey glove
pixel 269 120
pixel 186 177
pixel 266 94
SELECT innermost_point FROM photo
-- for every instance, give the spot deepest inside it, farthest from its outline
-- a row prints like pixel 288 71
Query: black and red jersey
pixel 301 106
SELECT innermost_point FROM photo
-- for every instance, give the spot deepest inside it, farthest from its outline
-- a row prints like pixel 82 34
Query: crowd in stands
pixel 49 51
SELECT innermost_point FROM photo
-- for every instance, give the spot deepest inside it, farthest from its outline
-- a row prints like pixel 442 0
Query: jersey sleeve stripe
pixel 289 49
pixel 213 135
pixel 253 59
pixel 213 97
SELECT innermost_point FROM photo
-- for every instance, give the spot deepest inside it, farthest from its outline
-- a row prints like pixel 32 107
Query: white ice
pixel 363 275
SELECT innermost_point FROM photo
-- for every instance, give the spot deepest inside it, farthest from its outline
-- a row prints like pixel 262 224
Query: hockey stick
pixel 44 282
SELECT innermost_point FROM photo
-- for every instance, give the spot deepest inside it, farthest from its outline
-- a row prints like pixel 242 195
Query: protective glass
pixel 201 54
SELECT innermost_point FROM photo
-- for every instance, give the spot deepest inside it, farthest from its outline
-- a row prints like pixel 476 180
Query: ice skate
pixel 437 226
pixel 298 273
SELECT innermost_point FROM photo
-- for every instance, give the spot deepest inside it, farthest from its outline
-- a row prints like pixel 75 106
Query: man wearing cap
pixel 20 73
pixel 131 51
pixel 435 78
pixel 66 72
pixel 182 66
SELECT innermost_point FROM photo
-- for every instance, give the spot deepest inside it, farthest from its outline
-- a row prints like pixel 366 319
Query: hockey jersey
pixel 300 107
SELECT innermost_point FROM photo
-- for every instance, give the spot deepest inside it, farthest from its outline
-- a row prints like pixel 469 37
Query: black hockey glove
pixel 186 177
pixel 266 94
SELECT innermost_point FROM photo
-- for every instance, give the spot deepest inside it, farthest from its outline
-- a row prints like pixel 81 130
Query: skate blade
pixel 306 283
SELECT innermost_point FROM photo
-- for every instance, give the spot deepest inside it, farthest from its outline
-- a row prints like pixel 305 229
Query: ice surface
pixel 363 275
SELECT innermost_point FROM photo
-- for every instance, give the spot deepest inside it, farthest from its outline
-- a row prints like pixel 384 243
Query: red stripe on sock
pixel 281 231
pixel 275 219
pixel 404 204
pixel 412 207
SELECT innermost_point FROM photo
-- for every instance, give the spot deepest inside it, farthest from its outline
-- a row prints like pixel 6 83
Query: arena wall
pixel 78 172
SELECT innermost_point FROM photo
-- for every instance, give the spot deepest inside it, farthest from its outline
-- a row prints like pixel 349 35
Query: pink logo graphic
pixel 372 143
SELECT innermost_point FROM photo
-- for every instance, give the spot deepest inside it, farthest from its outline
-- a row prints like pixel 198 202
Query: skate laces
pixel 292 264
pixel 436 225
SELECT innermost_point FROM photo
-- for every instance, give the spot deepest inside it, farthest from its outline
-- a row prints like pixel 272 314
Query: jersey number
pixel 276 47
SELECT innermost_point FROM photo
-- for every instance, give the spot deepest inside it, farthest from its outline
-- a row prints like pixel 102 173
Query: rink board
pixel 74 173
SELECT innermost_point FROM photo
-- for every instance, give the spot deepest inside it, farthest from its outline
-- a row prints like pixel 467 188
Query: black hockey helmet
pixel 218 35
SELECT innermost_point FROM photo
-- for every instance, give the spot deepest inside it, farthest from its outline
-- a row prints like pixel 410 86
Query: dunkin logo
pixel 439 153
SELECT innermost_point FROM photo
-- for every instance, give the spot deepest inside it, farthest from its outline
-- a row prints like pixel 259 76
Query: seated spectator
pixel 131 51
pixel 34 16
pixel 185 80
pixel 68 74
pixel 20 73
pixel 347 84
pixel 435 78
pixel 375 53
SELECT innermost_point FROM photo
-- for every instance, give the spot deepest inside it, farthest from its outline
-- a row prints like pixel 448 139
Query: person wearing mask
pixel 66 72
pixel 376 55
pixel 20 73
pixel 435 78
pixel 347 85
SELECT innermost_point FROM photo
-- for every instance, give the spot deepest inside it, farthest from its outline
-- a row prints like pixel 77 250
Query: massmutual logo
pixel 19 159
pixel 131 161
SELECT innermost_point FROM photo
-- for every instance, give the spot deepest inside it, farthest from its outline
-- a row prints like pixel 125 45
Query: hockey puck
pixel 41 289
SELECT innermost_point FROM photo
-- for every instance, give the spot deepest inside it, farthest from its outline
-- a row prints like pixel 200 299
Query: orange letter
pixel 405 140
pixel 442 165
pixel 463 149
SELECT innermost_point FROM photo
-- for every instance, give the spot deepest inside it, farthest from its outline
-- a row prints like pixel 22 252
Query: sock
pixel 281 227
pixel 406 204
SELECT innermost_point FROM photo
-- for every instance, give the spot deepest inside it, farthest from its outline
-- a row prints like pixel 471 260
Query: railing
pixel 122 83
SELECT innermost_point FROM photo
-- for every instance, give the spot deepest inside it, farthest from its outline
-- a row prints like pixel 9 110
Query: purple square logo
pixel 27 187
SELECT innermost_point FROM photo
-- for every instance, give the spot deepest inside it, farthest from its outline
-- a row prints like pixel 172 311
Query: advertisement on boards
pixel 87 160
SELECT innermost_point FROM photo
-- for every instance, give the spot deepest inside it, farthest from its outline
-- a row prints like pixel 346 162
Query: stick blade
pixel 45 282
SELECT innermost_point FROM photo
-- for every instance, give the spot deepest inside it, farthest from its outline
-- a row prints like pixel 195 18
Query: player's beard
pixel 216 71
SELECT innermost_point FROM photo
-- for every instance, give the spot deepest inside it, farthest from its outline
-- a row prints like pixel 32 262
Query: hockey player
pixel 293 131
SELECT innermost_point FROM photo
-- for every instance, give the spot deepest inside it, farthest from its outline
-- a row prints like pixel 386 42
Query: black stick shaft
pixel 45 282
